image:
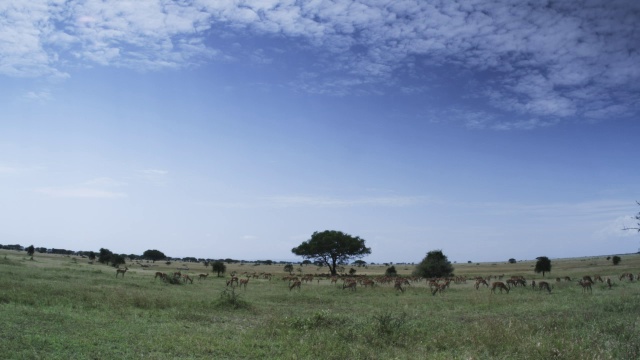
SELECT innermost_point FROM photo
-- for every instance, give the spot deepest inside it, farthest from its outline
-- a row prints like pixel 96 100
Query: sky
pixel 236 129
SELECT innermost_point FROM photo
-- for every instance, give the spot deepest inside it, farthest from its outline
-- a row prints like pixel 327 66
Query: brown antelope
pixel 296 284
pixel 368 282
pixel 586 285
pixel 544 285
pixel 398 286
pixel 160 275
pixel 121 271
pixel 609 284
pixel 186 277
pixel 203 276
pixel 244 282
pixel 533 284
pixel 481 282
pixel 500 285
pixel 439 289
pixel 351 285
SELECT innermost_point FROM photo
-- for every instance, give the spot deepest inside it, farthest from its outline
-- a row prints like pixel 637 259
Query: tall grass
pixel 56 308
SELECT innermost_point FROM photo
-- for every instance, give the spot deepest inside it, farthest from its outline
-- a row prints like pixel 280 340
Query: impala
pixel 586 285
pixel 481 282
pixel 203 276
pixel 244 282
pixel 544 285
pixel 160 275
pixel 121 271
pixel 500 285
pixel 296 284
pixel 186 278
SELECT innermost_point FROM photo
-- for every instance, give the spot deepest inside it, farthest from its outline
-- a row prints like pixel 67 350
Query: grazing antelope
pixel 544 285
pixel 203 276
pixel 350 284
pixel 296 284
pixel 160 275
pixel 439 289
pixel 186 278
pixel 368 282
pixel 121 271
pixel 244 282
pixel 398 286
pixel 586 285
pixel 500 285
pixel 481 282
pixel 609 284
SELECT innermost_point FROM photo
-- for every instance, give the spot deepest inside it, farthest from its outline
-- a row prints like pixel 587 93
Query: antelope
pixel 439 289
pixel 398 286
pixel 244 282
pixel 186 278
pixel 121 271
pixel 500 285
pixel 160 275
pixel 203 276
pixel 533 284
pixel 609 284
pixel 296 284
pixel 481 282
pixel 586 285
pixel 544 285
pixel 349 285
pixel 368 282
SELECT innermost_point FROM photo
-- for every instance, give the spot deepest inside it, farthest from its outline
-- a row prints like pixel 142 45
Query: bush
pixel 512 261
pixel 391 271
pixel 229 299
pixel 616 260
pixel 435 264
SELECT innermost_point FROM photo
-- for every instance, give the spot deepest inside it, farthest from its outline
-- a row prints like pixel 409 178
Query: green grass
pixel 58 307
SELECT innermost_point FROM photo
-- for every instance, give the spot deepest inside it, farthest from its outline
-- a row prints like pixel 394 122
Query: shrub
pixel 616 260
pixel 391 271
pixel 229 299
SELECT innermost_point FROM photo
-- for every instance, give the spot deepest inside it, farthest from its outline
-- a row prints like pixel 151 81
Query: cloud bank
pixel 540 60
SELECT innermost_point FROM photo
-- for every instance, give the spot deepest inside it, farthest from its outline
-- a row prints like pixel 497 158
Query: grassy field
pixel 62 307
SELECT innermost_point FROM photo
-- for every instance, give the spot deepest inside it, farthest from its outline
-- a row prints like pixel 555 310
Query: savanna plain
pixel 63 307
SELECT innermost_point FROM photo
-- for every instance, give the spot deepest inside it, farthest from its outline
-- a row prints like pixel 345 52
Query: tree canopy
pixel 154 255
pixel 435 264
pixel 30 251
pixel 543 265
pixel 218 267
pixel 331 248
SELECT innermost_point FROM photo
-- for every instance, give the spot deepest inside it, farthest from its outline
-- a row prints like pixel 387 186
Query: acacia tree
pixel 331 248
pixel 288 268
pixel 30 251
pixel 435 264
pixel 543 265
pixel 218 267
pixel 154 255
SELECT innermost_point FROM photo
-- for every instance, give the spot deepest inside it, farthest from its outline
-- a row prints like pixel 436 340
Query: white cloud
pixel 545 59
pixel 80 192
pixel 345 202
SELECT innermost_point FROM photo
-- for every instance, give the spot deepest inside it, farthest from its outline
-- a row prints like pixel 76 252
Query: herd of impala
pixel 435 285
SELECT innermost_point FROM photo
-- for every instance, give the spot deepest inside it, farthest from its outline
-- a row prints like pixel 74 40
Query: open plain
pixel 63 307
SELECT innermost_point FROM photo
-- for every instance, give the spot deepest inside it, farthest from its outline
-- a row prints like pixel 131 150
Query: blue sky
pixel 219 129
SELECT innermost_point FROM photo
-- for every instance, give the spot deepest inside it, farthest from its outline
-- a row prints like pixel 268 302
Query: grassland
pixel 61 307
